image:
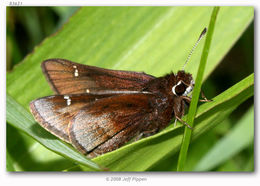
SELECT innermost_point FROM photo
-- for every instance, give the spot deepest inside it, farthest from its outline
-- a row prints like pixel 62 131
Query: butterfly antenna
pixel 193 48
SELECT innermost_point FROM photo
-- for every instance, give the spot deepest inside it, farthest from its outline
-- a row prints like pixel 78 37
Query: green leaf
pixel 30 156
pixel 17 116
pixel 196 92
pixel 240 137
pixel 9 162
pixel 151 39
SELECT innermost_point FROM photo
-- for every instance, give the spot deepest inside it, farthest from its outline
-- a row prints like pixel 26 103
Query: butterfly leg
pixel 145 134
pixel 139 136
pixel 179 110
pixel 187 99
pixel 175 122
pixel 204 97
pixel 183 122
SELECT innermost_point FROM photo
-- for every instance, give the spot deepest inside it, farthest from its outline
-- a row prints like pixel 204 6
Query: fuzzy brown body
pixel 98 110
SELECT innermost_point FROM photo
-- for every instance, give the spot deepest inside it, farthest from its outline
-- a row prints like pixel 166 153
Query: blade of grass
pixel 18 117
pixel 232 143
pixel 196 93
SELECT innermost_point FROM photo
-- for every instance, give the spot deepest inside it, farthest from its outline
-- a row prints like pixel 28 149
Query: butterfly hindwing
pixel 109 119
pixel 54 113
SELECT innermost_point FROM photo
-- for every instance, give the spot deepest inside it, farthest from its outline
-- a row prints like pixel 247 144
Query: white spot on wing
pixel 76 72
pixel 87 91
pixel 68 100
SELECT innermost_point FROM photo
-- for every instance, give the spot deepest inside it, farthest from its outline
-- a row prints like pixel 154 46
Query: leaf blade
pixel 230 144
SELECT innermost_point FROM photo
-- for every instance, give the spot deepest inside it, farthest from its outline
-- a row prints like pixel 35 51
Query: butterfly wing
pixel 108 123
pixel 55 112
pixel 66 77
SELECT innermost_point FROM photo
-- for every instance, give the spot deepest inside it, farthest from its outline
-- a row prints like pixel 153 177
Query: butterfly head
pixel 184 84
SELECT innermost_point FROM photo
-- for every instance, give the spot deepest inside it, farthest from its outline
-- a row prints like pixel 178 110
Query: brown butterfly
pixel 98 110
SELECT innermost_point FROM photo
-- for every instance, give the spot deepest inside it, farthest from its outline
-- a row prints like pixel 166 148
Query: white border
pixel 133 2
pixel 83 179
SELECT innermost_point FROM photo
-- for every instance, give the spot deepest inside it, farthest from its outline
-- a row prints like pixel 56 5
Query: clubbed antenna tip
pixel 203 33
pixel 193 48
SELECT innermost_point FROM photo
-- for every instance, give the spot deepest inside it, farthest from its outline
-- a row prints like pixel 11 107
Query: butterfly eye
pixel 178 89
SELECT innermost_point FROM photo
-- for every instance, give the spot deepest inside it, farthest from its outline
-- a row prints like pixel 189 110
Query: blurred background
pixel 28 26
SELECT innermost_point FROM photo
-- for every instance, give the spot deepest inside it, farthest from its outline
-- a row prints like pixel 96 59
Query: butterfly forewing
pixel 67 77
